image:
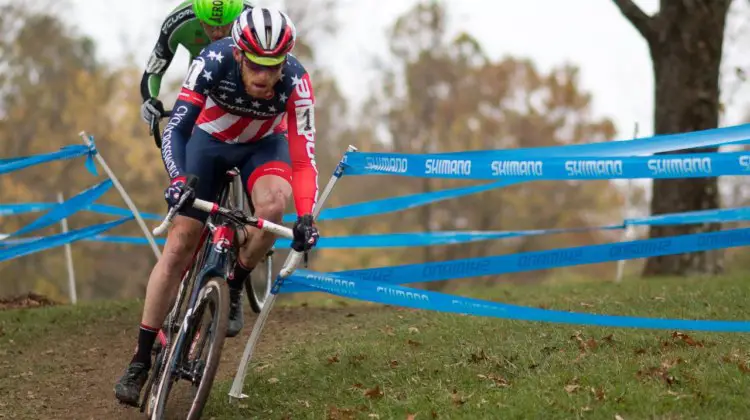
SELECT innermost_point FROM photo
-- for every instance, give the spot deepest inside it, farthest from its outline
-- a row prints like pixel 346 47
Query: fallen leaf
pixel 743 367
pixel 388 330
pixel 393 364
pixel 571 388
pixel 414 343
pixel 476 358
pixel 660 298
pixel 457 399
pixel 598 393
pixel 434 414
pixel 273 380
pixel 609 339
pixel 640 351
pixel 357 359
pixel 335 413
pixel 358 386
pixel 411 416
pixel 687 339
pixel 373 416
pixel 414 330
pixel 586 305
pixel 586 408
pixel 374 392
pixel 618 417
pixel 305 403
pixel 333 359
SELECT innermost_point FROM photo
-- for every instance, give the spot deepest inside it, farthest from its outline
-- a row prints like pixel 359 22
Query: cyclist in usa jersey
pixel 246 102
pixel 193 24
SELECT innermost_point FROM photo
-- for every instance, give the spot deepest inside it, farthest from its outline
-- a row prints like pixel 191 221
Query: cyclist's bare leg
pixel 269 195
pixel 163 284
pixel 182 238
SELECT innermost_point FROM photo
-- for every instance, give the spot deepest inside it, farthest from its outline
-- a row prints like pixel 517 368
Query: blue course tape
pixel 405 202
pixel 129 240
pixel 352 287
pixel 22 208
pixel 66 208
pixel 67 152
pixel 47 242
pixel 119 211
pixel 693 217
pixel 734 135
pixel 542 260
pixel 699 165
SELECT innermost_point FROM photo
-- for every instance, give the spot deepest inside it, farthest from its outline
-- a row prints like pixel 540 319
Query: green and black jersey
pixel 181 27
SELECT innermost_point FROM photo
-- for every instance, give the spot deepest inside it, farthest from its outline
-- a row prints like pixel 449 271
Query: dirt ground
pixel 71 375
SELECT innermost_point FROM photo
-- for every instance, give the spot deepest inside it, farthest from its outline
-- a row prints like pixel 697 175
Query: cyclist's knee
pixel 270 202
pixel 181 242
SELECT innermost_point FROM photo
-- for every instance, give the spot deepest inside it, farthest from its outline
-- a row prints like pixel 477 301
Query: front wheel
pixel 196 352
pixel 258 285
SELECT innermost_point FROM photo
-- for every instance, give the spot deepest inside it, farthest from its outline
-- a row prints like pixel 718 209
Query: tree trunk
pixel 685 39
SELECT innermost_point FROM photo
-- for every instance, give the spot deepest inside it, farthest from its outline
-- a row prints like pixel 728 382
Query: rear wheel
pixel 196 353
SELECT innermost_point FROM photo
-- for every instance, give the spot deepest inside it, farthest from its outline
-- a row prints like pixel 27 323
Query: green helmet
pixel 217 12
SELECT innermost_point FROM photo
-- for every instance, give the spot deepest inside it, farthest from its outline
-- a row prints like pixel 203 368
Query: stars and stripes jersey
pixel 213 99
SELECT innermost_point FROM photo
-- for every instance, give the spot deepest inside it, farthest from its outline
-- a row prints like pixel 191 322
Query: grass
pixel 404 364
pixel 347 360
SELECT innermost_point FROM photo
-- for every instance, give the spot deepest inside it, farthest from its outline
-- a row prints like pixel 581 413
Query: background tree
pixel 685 39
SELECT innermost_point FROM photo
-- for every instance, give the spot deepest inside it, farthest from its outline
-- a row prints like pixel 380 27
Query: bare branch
pixel 640 20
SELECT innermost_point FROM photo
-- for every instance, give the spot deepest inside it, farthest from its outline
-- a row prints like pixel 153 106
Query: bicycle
pixel 182 336
pixel 258 285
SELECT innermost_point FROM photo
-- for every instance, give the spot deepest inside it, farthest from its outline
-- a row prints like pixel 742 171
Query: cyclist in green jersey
pixel 193 24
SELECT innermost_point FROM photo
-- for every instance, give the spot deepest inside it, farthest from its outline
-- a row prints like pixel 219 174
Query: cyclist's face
pixel 258 80
pixel 217 32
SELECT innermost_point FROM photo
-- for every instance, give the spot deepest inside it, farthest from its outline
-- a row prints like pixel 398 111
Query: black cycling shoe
pixel 128 388
pixel 236 319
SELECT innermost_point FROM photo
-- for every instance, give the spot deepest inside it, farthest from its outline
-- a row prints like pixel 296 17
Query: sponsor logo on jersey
pixel 577 168
pixel 304 102
pixel 173 20
pixel 166 148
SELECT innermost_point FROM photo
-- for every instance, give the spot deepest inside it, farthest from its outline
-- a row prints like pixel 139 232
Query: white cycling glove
pixel 151 109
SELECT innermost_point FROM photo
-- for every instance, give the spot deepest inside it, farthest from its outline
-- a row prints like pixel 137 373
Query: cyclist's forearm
pixel 150 85
pixel 176 135
pixel 304 186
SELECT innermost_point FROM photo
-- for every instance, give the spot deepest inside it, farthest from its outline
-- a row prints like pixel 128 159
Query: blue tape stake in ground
pixel 371 291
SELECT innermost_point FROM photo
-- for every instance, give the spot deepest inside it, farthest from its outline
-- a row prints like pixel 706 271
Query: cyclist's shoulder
pixel 178 16
pixel 294 75
pixel 294 67
pixel 219 51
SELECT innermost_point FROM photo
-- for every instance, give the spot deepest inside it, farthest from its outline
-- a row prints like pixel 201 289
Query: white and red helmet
pixel 265 35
